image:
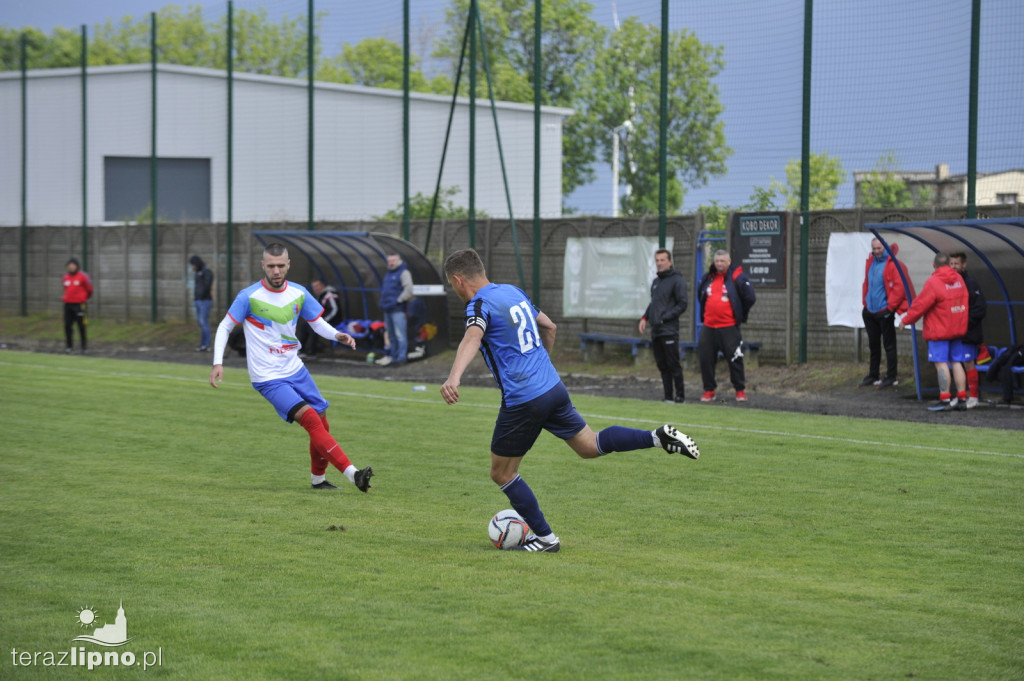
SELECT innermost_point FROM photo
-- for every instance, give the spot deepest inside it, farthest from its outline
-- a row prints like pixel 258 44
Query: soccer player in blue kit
pixel 515 339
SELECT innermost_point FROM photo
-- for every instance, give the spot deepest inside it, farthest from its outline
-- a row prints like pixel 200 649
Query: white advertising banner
pixel 608 278
pixel 844 277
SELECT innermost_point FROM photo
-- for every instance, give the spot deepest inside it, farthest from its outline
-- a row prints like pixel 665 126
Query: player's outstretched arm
pixel 463 356
pixel 325 330
pixel 345 339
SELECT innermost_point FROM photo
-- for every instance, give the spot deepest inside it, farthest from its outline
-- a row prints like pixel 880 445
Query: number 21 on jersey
pixel 526 327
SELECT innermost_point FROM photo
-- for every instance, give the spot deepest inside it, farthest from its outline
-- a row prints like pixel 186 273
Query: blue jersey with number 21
pixel 511 345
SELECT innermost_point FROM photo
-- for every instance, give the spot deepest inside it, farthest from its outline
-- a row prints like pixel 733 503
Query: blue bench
pixel 996 351
pixel 592 345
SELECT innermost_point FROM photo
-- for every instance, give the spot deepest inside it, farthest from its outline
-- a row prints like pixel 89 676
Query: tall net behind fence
pixel 890 95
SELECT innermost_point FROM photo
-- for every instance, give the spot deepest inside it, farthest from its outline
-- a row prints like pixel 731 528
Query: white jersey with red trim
pixel 269 319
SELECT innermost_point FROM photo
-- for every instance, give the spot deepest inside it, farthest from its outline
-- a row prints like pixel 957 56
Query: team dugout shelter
pixel 355 264
pixel 995 258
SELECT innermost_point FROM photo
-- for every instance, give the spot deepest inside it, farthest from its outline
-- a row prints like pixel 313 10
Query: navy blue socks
pixel 525 503
pixel 622 439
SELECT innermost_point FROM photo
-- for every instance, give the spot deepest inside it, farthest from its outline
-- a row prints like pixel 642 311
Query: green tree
pixel 569 43
pixel 624 86
pixel 420 205
pixel 883 188
pixel 827 175
pixel 762 199
pixel 184 37
pixel 378 62
pixel 123 42
pixel 279 49
pixel 716 215
pixel 63 47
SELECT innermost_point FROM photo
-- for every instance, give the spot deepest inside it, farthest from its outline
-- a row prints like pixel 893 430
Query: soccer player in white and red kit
pixel 269 310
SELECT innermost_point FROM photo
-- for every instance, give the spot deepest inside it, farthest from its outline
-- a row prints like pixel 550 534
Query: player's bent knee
pixel 584 443
pixel 296 412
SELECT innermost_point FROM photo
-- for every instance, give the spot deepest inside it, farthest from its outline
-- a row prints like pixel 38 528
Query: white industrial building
pixel 357 153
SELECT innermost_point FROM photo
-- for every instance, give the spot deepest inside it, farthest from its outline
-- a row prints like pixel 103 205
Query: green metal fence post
pixel 805 177
pixel 228 291
pixel 405 119
pixel 972 116
pixel 663 129
pixel 537 15
pixel 24 174
pixel 501 153
pixel 152 171
pixel 472 123
pixel 85 154
pixel 309 132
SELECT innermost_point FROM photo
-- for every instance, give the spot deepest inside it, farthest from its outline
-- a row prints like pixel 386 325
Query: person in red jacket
pixel 883 297
pixel 943 305
pixel 726 296
pixel 77 290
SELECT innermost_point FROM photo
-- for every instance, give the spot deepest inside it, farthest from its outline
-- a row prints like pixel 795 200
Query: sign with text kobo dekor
pixel 759 247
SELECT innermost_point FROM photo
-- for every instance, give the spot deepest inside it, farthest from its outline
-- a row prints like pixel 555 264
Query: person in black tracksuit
pixel 668 302
pixel 329 298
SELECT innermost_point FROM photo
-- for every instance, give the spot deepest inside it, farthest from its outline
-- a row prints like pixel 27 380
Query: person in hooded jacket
pixel 883 296
pixel 202 296
pixel 726 296
pixel 77 290
pixel 668 302
pixel 943 304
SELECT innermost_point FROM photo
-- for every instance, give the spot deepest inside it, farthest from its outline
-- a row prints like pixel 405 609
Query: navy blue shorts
pixel 288 393
pixel 518 427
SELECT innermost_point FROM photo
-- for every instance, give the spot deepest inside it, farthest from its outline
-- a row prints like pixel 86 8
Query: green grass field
pixel 797 547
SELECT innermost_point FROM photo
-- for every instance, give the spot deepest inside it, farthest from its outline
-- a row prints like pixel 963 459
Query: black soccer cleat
pixel 536 544
pixel 362 478
pixel 323 485
pixel 675 442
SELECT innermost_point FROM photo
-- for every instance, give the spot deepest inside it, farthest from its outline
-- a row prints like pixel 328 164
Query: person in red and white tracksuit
pixel 943 304
pixel 77 290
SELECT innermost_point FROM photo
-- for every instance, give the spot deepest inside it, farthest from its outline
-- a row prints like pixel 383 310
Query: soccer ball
pixel 507 529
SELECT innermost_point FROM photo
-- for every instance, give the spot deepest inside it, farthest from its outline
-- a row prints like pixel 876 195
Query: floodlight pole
pixel 627 125
pixel 615 171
